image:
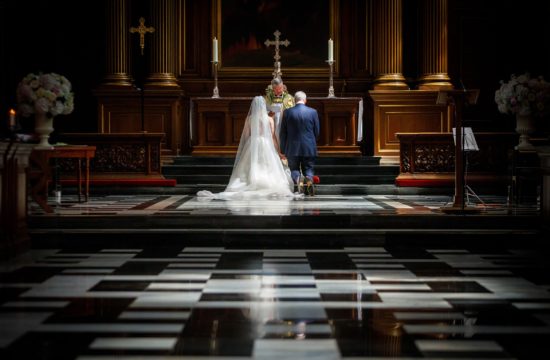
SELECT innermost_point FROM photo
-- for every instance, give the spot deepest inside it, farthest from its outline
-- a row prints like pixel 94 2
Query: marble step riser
pixel 335 189
pixel 274 240
pixel 319 170
pixel 326 179
pixel 283 223
pixel 319 161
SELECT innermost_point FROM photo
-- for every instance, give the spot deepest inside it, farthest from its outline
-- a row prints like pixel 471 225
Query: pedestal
pixel 544 156
pixel 43 127
pixel 14 160
pixel 525 176
pixel 525 128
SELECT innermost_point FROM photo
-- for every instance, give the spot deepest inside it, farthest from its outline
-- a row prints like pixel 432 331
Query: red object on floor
pixel 424 183
pixel 124 182
pixel 316 179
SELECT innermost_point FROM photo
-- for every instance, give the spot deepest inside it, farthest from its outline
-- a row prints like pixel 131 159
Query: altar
pixel 216 125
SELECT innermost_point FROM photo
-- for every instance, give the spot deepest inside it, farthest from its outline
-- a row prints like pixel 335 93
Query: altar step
pixel 331 170
pixel 291 231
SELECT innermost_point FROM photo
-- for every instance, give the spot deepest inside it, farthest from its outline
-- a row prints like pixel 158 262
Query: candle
pixel 330 50
pixel 12 118
pixel 215 50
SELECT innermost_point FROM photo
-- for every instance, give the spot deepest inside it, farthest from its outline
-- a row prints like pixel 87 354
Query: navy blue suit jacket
pixel 299 131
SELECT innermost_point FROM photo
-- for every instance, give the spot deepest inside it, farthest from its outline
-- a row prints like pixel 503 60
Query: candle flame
pixel 12 112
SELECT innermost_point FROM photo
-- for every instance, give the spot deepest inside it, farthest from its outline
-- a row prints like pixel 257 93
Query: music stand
pixel 456 99
pixel 469 144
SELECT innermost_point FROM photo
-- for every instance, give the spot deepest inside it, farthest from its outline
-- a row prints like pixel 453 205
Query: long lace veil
pixel 257 129
pixel 257 171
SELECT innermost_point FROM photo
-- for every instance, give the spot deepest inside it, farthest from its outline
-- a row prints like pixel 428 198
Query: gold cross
pixel 277 72
pixel 142 30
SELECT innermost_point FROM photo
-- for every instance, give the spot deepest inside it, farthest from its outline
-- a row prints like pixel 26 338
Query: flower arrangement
pixel 48 94
pixel 524 95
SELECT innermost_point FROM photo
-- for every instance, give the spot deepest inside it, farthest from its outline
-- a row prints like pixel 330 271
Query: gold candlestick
pixel 331 87
pixel 215 93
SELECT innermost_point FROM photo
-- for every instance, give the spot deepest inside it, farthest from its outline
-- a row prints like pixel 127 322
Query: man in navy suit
pixel 298 140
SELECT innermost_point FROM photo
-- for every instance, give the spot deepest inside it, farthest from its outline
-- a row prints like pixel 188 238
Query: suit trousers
pixel 299 165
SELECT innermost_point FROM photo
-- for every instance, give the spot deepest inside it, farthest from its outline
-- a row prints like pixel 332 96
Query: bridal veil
pixel 257 171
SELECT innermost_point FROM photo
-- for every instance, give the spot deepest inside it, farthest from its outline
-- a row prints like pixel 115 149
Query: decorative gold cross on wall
pixel 142 30
pixel 277 71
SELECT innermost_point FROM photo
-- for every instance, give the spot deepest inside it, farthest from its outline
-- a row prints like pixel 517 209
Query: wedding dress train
pixel 257 172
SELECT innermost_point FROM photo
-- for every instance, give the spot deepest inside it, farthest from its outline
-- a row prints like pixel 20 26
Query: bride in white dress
pixel 258 171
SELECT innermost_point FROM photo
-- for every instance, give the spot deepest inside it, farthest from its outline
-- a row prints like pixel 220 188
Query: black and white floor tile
pixel 266 303
pixel 321 204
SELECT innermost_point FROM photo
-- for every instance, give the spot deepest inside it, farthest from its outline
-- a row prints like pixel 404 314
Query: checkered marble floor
pixel 266 303
pixel 320 204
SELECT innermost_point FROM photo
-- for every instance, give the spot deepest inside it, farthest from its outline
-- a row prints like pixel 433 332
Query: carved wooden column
pixel 117 64
pixel 388 45
pixel 434 46
pixel 164 47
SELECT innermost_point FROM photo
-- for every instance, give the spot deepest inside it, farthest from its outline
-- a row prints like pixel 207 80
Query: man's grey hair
pixel 300 96
pixel 276 81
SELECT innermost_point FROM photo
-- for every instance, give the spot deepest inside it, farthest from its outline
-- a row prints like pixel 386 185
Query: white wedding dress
pixel 258 172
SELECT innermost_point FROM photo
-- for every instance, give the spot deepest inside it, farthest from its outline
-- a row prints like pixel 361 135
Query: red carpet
pixel 449 181
pixel 424 182
pixel 124 182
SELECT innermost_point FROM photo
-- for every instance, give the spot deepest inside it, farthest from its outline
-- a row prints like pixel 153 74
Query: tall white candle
pixel 330 50
pixel 12 118
pixel 215 50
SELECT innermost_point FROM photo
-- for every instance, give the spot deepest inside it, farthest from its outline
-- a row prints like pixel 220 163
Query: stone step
pixel 363 179
pixel 314 222
pixel 321 189
pixel 322 160
pixel 363 170
pixel 320 170
pixel 66 238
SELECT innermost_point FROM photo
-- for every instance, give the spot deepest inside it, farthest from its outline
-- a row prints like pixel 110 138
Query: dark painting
pixel 247 24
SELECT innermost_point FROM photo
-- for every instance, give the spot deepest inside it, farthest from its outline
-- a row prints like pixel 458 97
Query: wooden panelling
pixel 214 128
pixel 218 124
pixel 121 153
pixel 120 112
pixel 430 157
pixel 405 111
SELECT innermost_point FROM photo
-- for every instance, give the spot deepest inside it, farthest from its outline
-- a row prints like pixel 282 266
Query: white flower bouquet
pixel 48 94
pixel 524 95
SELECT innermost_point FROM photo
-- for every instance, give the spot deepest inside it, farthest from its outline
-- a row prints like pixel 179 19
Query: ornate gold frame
pixel 288 72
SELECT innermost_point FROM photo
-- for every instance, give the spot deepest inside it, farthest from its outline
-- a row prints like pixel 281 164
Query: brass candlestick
pixel 216 92
pixel 331 87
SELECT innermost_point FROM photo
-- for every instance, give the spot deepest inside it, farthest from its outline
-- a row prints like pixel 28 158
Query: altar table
pixel 216 125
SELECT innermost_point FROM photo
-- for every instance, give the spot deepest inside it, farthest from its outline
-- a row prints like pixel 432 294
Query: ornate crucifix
pixel 142 30
pixel 277 65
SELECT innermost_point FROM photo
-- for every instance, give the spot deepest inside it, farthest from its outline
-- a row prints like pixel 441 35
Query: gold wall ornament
pixel 142 30
pixel 277 64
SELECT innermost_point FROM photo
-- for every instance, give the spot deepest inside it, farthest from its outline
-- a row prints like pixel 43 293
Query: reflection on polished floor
pixel 228 303
pixel 318 205
pixel 84 293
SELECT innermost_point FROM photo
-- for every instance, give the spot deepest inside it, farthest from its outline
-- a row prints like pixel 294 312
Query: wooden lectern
pixel 456 100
